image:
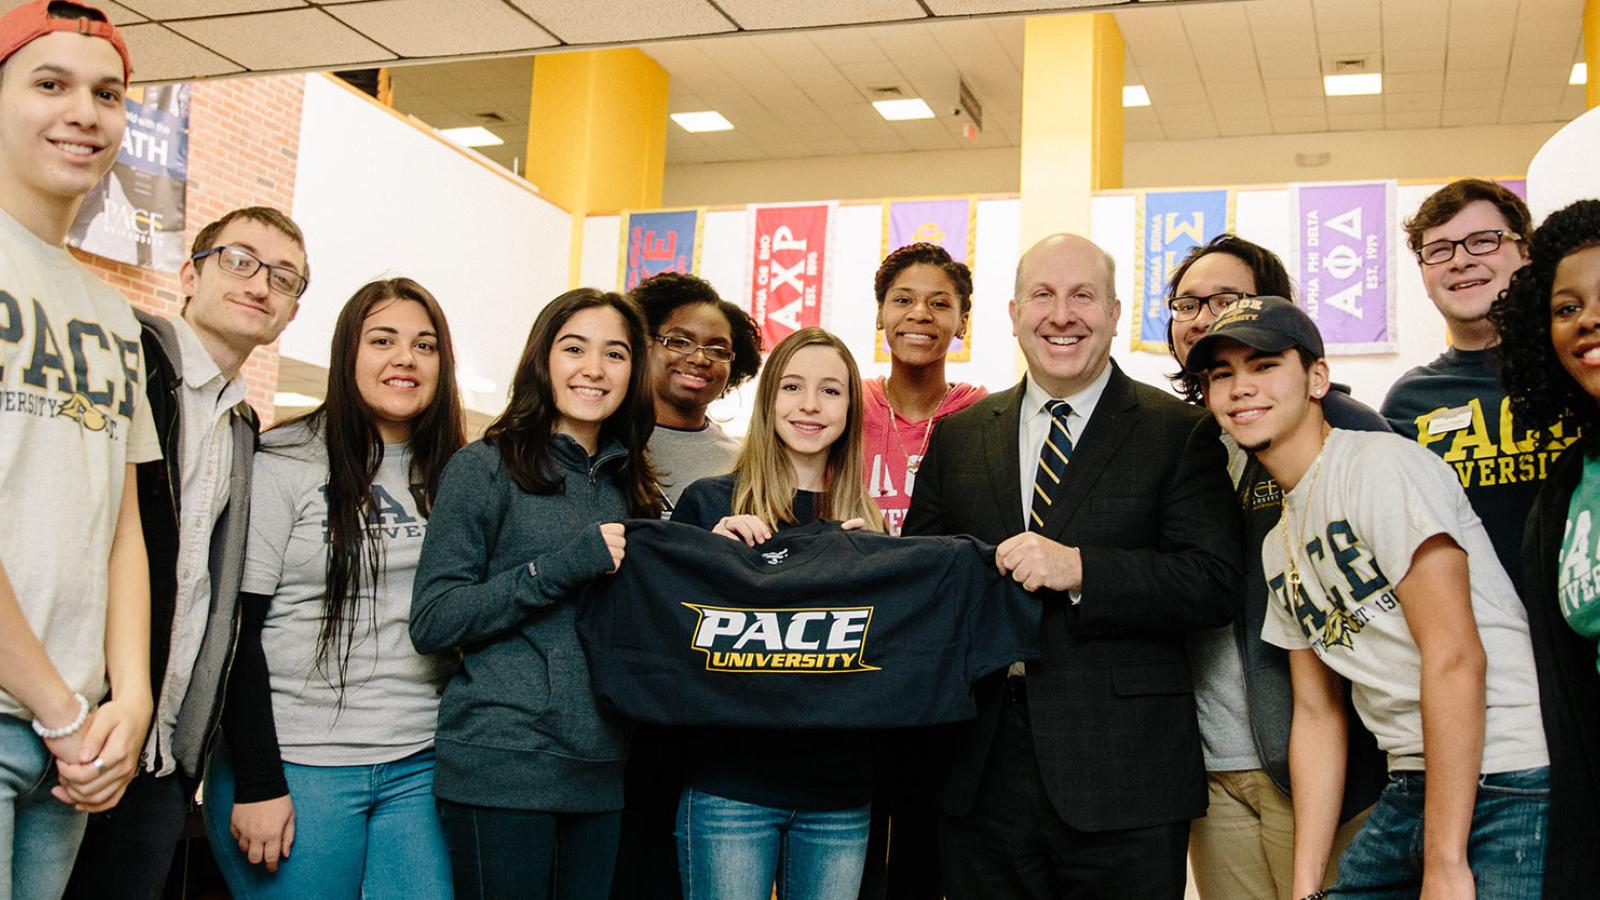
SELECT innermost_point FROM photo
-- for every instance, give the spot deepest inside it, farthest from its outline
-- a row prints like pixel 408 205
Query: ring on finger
pixel 99 764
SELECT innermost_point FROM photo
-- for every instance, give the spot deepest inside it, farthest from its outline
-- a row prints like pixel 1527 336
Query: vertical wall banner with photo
pixel 135 215
pixel 950 223
pixel 789 246
pixel 659 241
pixel 1169 224
pixel 1342 257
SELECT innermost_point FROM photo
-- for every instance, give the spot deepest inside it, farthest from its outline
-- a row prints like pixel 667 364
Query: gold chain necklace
pixel 1288 526
pixel 912 465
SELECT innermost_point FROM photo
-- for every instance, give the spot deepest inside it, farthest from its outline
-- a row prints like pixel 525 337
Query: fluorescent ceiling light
pixel 293 400
pixel 1352 85
pixel 1580 74
pixel 900 110
pixel 1135 95
pixel 473 136
pixel 709 120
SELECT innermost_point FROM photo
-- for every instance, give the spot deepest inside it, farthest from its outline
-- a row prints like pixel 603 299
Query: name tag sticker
pixel 1450 420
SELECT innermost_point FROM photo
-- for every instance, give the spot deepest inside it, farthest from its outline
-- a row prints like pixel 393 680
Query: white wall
pixel 378 197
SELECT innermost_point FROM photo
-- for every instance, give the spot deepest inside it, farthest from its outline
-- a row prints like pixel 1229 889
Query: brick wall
pixel 244 134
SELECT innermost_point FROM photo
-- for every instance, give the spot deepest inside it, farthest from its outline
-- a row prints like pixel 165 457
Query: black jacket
pixel 160 489
pixel 1569 694
pixel 1148 501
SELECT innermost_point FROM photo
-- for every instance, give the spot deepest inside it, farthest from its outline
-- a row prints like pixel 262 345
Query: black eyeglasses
pixel 1186 307
pixel 241 263
pixel 1478 243
pixel 684 347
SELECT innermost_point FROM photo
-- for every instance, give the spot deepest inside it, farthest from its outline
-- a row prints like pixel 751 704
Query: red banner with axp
pixel 788 279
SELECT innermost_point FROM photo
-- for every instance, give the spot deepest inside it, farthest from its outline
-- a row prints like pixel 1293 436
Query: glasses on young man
pixel 1478 243
pixel 682 346
pixel 1187 307
pixel 241 263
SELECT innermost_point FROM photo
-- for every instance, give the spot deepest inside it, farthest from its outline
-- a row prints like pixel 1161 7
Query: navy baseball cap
pixel 1272 324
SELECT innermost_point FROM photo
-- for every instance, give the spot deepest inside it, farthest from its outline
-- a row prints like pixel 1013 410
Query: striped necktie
pixel 1053 457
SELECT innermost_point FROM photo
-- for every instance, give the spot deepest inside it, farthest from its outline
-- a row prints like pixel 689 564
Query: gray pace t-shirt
pixel 391 697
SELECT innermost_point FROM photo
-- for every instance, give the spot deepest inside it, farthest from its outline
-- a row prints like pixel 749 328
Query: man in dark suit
pixel 1080 775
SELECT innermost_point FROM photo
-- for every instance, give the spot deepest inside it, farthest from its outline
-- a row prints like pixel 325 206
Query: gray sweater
pixel 500 576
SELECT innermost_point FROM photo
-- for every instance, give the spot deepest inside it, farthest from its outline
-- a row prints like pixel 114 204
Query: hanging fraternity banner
pixel 949 223
pixel 135 215
pixel 1170 224
pixel 659 241
pixel 789 267
pixel 1342 257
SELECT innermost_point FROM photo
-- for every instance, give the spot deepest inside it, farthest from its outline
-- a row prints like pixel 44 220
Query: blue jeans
pixel 1505 847
pixel 367 832
pixel 730 850
pixel 39 834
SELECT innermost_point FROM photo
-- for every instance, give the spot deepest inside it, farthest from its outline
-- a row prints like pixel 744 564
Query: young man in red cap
pixel 1381 574
pixel 74 592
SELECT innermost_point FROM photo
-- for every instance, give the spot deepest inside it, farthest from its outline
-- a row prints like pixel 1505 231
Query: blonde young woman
pixel 761 807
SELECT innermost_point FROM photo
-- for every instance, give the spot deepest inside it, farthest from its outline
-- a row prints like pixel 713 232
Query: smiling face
pixel 1262 399
pixel 920 315
pixel 812 405
pixel 590 363
pixel 1213 273
pixel 397 366
pixel 242 313
pixel 1464 288
pixel 686 385
pixel 1575 317
pixel 1065 313
pixel 61 123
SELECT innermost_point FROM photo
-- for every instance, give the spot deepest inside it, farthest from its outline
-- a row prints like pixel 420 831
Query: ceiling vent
pixel 1350 65
pixel 490 118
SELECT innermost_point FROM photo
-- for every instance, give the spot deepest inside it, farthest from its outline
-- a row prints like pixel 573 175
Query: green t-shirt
pixel 1578 582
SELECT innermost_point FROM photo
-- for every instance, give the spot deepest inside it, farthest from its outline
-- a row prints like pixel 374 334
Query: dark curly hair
pixel 924 254
pixel 660 294
pixel 1271 278
pixel 1542 394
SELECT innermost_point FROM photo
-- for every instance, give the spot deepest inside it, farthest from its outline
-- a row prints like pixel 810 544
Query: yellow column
pixel 1591 50
pixel 1071 119
pixel 597 134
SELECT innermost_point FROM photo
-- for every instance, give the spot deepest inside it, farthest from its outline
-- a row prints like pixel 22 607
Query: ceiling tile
pixel 1298 124
pixel 1535 77
pixel 180 9
pixel 1166 95
pixel 1456 117
pixel 1296 106
pixel 164 56
pixel 1184 112
pixel 1429 38
pixel 1412 82
pixel 423 28
pixel 757 15
pixel 1185 131
pixel 1350 43
pixel 1358 122
pixel 623 21
pixel 1293 87
pixel 1350 106
pixel 118 14
pixel 293 39
pixel 1233 91
pixel 1429 102
pixel 1473 99
pixel 1348 15
pixel 1463 79
pixel 1289 67
pixel 1243 127
pixel 1411 119
pixel 1413 60
pixel 1239 109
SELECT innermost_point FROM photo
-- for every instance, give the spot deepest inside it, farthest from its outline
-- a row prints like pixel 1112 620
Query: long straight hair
pixel 355 452
pixel 765 480
pixel 522 433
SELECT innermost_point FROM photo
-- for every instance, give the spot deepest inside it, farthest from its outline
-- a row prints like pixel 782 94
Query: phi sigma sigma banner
pixel 1342 257
pixel 789 267
pixel 949 223
pixel 1170 224
pixel 135 214
pixel 660 241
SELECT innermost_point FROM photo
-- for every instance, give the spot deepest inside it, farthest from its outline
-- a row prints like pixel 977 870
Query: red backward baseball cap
pixel 31 21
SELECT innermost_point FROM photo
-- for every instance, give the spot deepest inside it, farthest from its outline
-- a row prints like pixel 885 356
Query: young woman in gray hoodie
pixel 529 777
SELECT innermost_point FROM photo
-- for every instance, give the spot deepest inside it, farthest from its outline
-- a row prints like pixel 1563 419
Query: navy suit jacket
pixel 1148 502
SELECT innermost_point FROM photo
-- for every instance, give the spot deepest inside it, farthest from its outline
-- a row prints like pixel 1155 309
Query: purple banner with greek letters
pixel 1344 261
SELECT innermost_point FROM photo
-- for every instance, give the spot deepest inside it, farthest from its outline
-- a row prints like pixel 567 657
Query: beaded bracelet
pixel 53 733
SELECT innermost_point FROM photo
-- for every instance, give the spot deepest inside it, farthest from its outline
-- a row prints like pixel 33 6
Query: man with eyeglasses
pixel 1469 237
pixel 242 285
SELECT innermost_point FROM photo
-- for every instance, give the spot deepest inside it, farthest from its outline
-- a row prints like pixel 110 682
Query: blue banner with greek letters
pixel 656 242
pixel 1170 223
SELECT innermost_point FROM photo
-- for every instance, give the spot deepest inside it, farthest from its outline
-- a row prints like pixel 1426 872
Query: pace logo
pixel 818 639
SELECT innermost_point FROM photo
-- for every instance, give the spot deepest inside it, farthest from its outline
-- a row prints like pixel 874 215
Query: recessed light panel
pixel 1352 85
pixel 901 110
pixel 707 120
pixel 1135 95
pixel 1580 74
pixel 473 136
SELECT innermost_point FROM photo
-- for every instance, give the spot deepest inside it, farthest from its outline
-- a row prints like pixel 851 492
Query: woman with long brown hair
pixel 329 722
pixel 782 806
pixel 530 767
